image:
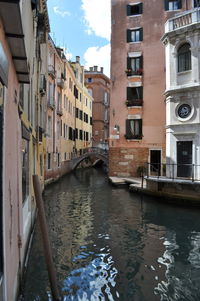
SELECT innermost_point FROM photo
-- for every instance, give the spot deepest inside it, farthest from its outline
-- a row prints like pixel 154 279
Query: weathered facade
pixel 19 47
pixel 137 108
pixel 98 85
pixel 69 113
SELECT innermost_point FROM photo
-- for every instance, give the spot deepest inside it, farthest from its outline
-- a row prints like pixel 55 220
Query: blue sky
pixel 83 28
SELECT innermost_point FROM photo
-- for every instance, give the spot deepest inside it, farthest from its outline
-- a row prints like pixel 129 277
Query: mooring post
pixel 45 238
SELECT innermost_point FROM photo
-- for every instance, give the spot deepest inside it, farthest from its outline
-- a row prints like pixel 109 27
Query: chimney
pixel 101 69
pixel 91 69
pixel 95 68
pixel 77 59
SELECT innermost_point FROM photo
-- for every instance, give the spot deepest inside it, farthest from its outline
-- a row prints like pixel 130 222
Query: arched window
pixel 184 58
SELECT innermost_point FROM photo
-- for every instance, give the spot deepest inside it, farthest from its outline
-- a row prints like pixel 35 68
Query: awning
pixel 11 17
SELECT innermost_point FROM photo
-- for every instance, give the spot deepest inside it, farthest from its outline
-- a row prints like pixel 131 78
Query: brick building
pixel 137 108
pixel 98 85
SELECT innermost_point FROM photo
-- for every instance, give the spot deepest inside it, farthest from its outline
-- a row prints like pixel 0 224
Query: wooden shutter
pixel 179 4
pixel 140 8
pixel 128 132
pixel 141 34
pixel 128 10
pixel 141 62
pixel 128 93
pixel 166 2
pixel 140 128
pixel 128 33
pixel 129 63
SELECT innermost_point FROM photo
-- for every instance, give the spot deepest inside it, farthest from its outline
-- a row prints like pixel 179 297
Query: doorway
pixel 155 162
pixel 184 159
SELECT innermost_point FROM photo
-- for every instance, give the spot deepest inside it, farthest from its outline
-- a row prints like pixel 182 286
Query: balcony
pixel 130 72
pixel 51 71
pixel 60 83
pixel 50 103
pixel 59 111
pixel 134 103
pixel 182 20
pixel 133 137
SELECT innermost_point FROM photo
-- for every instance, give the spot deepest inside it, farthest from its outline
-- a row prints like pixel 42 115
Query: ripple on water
pixel 95 278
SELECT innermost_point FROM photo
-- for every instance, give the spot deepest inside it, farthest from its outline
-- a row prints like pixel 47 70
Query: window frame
pixel 167 5
pixel 131 136
pixel 130 8
pixel 135 31
pixel 184 58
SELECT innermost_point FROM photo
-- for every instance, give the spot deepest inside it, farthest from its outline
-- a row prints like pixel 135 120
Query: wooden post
pixel 45 238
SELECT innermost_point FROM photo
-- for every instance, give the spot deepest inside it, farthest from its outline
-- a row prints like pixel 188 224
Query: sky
pixel 82 27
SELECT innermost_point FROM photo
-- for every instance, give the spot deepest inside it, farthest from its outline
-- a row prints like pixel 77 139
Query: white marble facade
pixel 183 97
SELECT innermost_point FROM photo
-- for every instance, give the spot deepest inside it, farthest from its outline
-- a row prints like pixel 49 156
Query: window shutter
pixel 141 34
pixel 141 62
pixel 166 4
pixel 140 8
pixel 128 35
pixel 127 128
pixel 128 93
pixel 140 127
pixel 179 4
pixel 128 63
pixel 128 10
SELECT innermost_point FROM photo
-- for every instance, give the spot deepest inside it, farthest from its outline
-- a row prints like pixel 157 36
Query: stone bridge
pixel 92 152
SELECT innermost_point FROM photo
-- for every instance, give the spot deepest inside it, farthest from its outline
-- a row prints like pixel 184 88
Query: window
pixel 135 9
pixel 70 133
pixel 25 168
pixel 184 58
pixel 134 65
pixel 80 114
pixel 80 134
pixel 49 126
pixel 196 3
pixel 134 96
pixel 49 161
pixel 77 110
pixel 173 4
pixel 76 133
pixel 89 80
pixel 133 129
pixel 134 35
pixel 58 159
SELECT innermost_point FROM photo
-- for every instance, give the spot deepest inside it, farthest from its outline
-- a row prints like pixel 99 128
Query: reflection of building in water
pixel 181 259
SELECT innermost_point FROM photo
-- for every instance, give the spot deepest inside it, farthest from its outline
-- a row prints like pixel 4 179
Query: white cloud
pixel 57 11
pixel 97 16
pixel 98 56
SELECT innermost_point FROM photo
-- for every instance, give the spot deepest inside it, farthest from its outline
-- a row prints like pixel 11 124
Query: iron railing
pixel 172 171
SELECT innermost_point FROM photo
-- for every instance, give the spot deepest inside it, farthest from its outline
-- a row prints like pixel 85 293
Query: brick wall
pixel 125 162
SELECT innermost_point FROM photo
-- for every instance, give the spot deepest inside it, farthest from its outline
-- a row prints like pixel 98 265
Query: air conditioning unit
pixel 43 84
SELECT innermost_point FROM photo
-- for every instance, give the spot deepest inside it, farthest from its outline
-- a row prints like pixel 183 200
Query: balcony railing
pixel 130 72
pixel 183 19
pixel 134 103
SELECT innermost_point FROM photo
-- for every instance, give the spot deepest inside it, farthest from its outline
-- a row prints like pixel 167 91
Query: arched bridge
pixel 92 152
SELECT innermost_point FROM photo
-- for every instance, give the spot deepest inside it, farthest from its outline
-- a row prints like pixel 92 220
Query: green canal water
pixel 109 244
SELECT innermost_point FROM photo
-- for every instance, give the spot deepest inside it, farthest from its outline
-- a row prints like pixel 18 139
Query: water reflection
pixel 109 244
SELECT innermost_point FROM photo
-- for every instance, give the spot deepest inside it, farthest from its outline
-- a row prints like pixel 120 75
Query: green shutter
pixel 140 8
pixel 128 63
pixel 141 34
pixel 128 93
pixel 127 129
pixel 166 4
pixel 128 10
pixel 128 35
pixel 140 127
pixel 141 62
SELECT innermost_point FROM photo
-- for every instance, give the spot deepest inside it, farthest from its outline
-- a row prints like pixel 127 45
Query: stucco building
pixel 19 124
pixel 137 108
pixel 69 113
pixel 98 85
pixel 181 40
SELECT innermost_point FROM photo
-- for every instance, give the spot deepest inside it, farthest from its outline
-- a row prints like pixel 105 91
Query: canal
pixel 109 244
